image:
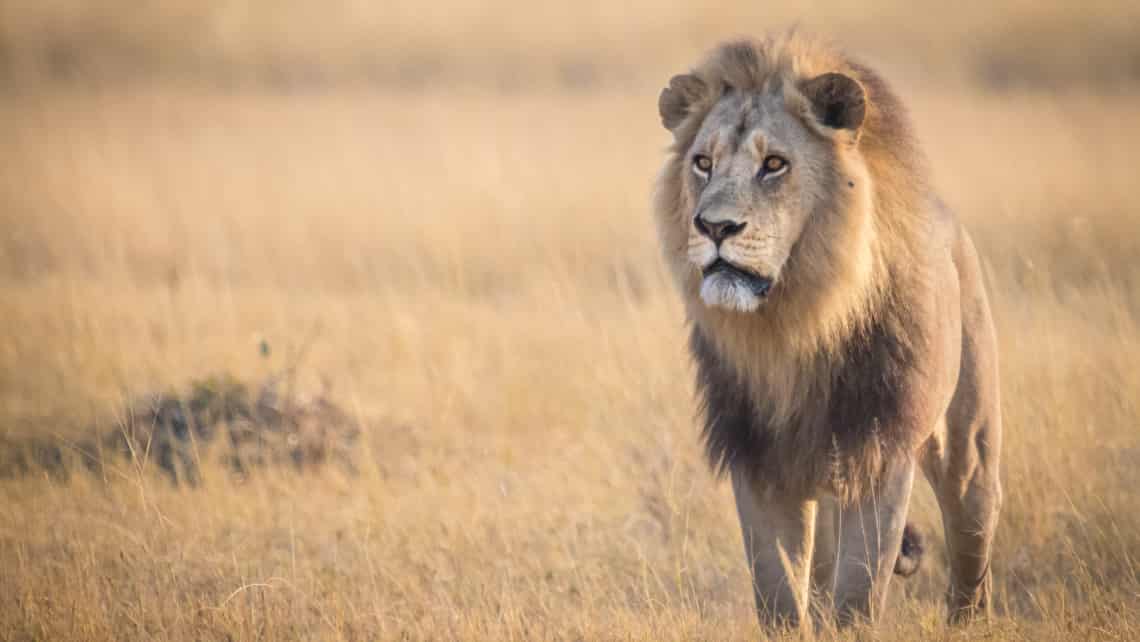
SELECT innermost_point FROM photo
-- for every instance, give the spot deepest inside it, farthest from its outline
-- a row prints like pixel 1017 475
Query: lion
pixel 839 326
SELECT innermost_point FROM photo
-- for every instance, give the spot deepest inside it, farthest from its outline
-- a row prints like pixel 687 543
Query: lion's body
pixel 848 341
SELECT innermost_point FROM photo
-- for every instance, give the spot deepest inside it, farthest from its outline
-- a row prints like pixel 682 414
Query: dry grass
pixel 473 270
pixel 516 44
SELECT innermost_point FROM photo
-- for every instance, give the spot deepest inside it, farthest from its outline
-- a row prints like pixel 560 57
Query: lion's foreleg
pixel 870 533
pixel 778 538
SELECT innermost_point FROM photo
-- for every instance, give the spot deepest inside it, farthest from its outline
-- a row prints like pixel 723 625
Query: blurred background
pixel 346 320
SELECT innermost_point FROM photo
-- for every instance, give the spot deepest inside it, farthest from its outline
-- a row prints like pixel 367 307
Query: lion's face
pixel 754 172
pixel 766 173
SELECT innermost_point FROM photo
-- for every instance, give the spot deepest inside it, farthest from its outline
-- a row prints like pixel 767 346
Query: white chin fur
pixel 725 291
pixel 702 254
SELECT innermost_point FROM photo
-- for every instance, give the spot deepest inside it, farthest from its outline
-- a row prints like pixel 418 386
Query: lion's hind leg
pixel 970 499
pixel 966 483
pixel 824 554
pixel 963 466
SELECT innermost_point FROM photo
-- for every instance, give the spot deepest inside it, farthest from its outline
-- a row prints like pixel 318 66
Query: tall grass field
pixel 423 231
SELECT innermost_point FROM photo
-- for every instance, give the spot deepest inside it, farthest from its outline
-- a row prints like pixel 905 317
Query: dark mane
pixel 857 415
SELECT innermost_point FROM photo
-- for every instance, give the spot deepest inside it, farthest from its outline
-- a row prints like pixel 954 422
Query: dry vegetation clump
pixel 244 427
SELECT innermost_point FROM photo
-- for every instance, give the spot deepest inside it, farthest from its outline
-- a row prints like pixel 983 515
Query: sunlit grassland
pixel 472 272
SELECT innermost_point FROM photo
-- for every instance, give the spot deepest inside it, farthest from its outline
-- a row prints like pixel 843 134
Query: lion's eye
pixel 702 164
pixel 773 166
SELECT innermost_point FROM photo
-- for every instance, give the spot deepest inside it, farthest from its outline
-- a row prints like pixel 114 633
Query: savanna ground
pixel 439 216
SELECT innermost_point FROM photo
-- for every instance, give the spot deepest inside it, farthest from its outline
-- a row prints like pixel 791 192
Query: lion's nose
pixel 718 230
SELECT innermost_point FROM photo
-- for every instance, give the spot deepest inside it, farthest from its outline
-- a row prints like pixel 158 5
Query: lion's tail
pixel 910 556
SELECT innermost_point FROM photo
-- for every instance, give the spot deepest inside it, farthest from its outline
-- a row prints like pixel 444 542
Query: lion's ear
pixel 678 98
pixel 837 101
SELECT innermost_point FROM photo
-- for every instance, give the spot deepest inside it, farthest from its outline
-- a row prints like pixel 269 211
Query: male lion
pixel 839 325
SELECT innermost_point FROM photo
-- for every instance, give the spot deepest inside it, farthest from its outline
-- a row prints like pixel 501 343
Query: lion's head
pixel 767 203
